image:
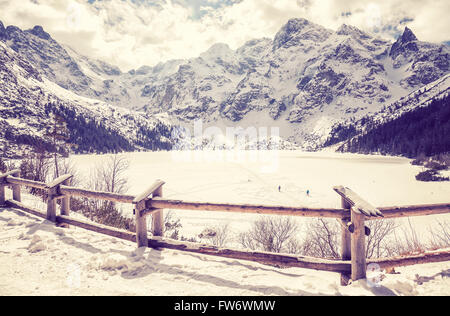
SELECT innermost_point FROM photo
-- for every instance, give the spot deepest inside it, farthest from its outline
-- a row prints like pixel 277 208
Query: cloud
pixel 131 33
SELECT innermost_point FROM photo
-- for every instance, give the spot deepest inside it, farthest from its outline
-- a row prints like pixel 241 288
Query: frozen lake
pixel 254 178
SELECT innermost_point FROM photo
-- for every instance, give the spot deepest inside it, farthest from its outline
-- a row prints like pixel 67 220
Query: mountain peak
pixel 219 47
pixel 404 44
pixel 345 29
pixel 295 25
pixel 408 36
pixel 221 50
pixel 294 29
pixel 297 21
pixel 39 32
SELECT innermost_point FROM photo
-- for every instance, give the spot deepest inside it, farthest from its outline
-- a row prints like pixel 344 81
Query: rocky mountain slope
pixel 422 131
pixel 344 131
pixel 304 81
pixel 28 100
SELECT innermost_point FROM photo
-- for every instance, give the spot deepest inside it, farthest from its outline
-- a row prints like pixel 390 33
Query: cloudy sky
pixel 132 33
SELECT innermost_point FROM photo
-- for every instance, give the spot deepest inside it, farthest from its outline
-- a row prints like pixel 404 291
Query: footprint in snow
pixel 36 245
pixel 13 222
pixel 24 236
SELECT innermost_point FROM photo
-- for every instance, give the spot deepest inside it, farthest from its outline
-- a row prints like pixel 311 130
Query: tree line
pixel 70 131
pixel 423 131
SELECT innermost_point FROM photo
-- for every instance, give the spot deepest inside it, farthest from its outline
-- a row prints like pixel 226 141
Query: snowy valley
pixel 87 263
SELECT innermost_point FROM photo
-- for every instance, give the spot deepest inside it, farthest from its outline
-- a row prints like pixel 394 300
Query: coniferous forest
pixel 91 136
pixel 421 132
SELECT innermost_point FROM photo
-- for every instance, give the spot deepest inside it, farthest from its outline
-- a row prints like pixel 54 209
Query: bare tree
pixel 269 234
pixel 36 167
pixel 172 226
pixel 295 246
pixel 112 174
pixel 246 240
pixel 405 243
pixel 109 177
pixel 378 242
pixel 440 235
pixel 67 166
pixel 322 239
pixel 58 134
pixel 217 235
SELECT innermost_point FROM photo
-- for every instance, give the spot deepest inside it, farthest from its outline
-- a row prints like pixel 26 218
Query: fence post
pixel 4 184
pixel 158 217
pixel 53 193
pixel 65 204
pixel 359 210
pixel 140 203
pixel 346 252
pixel 51 204
pixel 141 225
pixel 16 188
pixel 358 246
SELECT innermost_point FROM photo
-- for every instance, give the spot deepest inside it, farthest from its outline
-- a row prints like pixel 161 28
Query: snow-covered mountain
pixel 305 80
pixel 27 99
pixel 348 129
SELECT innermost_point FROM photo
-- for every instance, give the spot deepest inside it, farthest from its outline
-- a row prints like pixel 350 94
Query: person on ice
pixel 307 192
pixel 279 188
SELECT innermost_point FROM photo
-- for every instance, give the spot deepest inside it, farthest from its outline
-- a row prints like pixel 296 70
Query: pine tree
pixel 3 167
pixel 57 135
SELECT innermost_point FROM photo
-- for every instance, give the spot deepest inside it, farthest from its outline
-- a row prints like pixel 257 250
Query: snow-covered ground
pixel 254 178
pixel 37 258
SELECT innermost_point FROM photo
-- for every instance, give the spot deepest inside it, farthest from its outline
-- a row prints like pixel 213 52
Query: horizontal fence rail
pixel 161 203
pixel 27 183
pixel 415 210
pixel 353 214
pixel 105 196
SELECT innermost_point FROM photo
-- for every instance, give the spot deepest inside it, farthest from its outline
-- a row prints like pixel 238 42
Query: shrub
pixel 420 160
pixel 36 167
pixel 322 240
pixel 405 242
pixel 378 243
pixel 109 177
pixel 172 226
pixel 444 159
pixel 105 213
pixel 430 176
pixel 435 165
pixel 440 235
pixel 216 235
pixel 269 234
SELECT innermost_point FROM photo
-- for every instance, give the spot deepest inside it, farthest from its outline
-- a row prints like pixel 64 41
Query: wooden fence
pixel 353 214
